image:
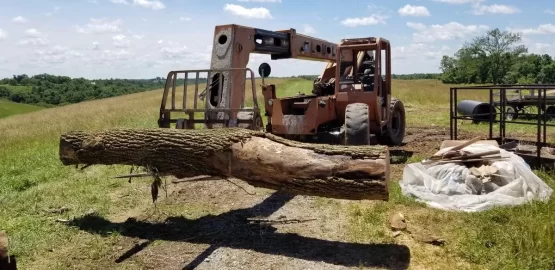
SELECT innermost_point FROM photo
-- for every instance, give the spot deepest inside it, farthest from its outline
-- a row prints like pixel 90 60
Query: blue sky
pixel 148 38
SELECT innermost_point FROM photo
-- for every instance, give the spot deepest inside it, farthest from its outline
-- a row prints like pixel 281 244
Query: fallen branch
pixel 280 221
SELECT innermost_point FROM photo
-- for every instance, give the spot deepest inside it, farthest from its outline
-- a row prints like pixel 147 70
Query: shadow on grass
pixel 399 156
pixel 233 229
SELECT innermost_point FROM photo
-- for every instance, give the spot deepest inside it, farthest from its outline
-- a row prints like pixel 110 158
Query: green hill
pixel 8 108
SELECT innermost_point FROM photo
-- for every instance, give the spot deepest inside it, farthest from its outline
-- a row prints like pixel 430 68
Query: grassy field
pixel 33 181
pixel 17 88
pixel 8 108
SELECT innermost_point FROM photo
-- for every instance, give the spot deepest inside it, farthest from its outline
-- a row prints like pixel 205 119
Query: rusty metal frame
pixel 378 45
pixel 232 46
pixel 541 104
pixel 165 119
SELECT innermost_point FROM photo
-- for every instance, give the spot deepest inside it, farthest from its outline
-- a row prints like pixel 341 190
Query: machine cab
pixel 357 75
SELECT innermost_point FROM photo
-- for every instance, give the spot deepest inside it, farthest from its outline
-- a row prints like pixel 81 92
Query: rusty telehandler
pixel 350 103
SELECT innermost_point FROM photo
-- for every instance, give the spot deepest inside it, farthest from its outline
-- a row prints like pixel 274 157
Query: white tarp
pixel 451 186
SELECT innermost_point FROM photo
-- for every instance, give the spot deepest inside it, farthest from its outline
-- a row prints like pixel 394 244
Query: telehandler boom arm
pixel 232 46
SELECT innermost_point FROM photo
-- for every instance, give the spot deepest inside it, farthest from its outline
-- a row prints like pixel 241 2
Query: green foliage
pixel 497 58
pixel 8 108
pixel 54 90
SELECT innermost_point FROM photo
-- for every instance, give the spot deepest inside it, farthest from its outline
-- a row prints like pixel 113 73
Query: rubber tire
pixel 357 124
pixel 388 137
pixel 514 113
pixel 249 116
pixel 550 110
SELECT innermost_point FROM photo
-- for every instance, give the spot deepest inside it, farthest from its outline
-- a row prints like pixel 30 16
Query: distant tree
pixel 547 74
pixel 497 57
pixel 4 92
pixel 500 49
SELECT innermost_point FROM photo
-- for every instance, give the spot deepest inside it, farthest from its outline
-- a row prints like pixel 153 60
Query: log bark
pixel 258 158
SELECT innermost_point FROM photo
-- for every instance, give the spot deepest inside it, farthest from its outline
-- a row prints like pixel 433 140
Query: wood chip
pixel 397 222
pixel 3 245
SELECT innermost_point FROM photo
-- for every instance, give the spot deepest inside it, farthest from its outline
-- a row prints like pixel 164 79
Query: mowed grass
pixel 8 108
pixel 17 88
pixel 33 180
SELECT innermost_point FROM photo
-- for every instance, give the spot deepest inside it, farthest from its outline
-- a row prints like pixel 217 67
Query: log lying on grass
pixel 258 158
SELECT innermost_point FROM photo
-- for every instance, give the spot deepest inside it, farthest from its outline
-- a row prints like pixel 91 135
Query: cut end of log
pixel 68 156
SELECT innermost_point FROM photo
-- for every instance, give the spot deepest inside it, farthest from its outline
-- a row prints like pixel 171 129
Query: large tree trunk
pixel 260 159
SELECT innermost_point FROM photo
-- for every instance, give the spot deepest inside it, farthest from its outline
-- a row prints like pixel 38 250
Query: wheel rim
pixel 510 114
pixel 395 123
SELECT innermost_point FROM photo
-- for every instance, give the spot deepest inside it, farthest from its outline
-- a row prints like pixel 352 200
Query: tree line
pixel 414 76
pixel 49 90
pixel 497 58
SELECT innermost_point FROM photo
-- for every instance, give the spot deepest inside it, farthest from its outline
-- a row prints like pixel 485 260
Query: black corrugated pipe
pixel 479 111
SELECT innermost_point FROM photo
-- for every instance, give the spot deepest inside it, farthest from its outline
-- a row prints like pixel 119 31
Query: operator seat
pixel 368 80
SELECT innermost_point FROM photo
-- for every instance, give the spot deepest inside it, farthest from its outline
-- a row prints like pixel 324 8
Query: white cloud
pixel 404 52
pixel 308 30
pixel 56 9
pixel 544 29
pixel 479 9
pixel 459 2
pixel 135 36
pixel 173 51
pixel 416 26
pixel 495 9
pixel 409 10
pixel 449 31
pixel 261 1
pixel 100 26
pixel 249 13
pixel 549 11
pixel 19 19
pixel 32 32
pixel 543 48
pixel 95 46
pixel 184 18
pixel 3 34
pixel 121 41
pixel 56 55
pixel 36 41
pixel 111 56
pixel 416 51
pixel 418 57
pixel 371 20
pixel 152 4
pixel 538 47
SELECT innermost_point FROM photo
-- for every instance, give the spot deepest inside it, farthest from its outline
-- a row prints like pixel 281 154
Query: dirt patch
pixel 221 224
pixel 217 225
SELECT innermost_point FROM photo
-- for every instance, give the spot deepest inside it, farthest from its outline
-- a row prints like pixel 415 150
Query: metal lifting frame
pixel 540 103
